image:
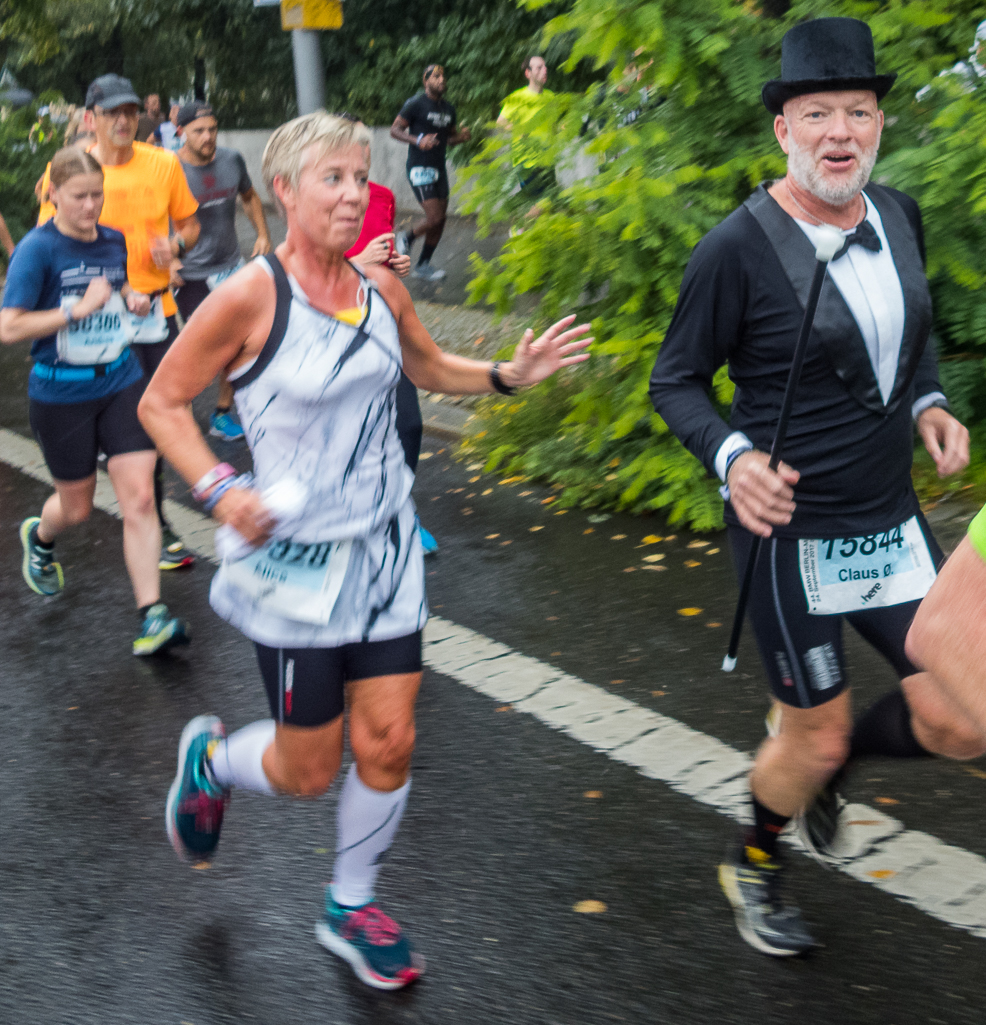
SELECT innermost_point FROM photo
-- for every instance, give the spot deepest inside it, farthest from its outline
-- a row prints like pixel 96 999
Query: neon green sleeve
pixel 977 533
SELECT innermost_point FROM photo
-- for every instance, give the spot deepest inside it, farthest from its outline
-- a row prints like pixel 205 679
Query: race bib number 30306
pixel 873 571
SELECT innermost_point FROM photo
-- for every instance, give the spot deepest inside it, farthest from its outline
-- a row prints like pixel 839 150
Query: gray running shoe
pixel 765 923
pixel 41 573
pixel 426 272
pixel 817 827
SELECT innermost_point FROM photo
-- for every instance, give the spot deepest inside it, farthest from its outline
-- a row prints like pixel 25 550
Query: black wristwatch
pixel 497 380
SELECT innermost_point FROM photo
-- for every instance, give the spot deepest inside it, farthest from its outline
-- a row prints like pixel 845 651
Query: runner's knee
pixel 388 748
pixel 958 741
pixel 307 777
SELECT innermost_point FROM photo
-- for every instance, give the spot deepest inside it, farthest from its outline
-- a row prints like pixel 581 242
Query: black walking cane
pixel 828 245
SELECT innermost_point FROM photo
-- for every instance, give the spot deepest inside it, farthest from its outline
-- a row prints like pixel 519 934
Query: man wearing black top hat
pixel 845 538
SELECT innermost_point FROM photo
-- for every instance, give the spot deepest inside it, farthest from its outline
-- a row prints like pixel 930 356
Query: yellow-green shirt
pixel 519 108
pixel 977 533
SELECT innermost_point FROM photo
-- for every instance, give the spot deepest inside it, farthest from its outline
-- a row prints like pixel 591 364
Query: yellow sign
pixel 317 14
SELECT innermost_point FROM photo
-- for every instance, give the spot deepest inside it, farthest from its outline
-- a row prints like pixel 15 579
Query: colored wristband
pixel 227 484
pixel 209 480
pixel 420 137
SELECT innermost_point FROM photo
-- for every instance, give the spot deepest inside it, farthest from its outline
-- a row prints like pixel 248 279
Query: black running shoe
pixel 817 827
pixel 765 923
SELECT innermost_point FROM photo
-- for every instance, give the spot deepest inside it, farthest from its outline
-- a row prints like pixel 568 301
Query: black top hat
pixel 825 55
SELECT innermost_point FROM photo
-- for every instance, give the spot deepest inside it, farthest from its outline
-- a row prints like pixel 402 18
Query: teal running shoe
pixel 428 542
pixel 41 573
pixel 160 630
pixel 196 802
pixel 372 942
pixel 222 425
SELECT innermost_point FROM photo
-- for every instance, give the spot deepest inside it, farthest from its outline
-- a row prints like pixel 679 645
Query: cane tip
pixel 728 664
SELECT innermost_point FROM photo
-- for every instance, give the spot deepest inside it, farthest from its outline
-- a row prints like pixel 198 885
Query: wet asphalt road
pixel 100 924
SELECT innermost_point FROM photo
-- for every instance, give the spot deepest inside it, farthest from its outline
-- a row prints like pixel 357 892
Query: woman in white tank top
pixel 327 574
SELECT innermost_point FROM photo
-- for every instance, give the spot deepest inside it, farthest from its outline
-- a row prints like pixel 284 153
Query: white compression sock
pixel 238 760
pixel 366 823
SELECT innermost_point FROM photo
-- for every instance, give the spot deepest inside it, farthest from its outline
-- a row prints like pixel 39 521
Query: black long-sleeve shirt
pixel 737 305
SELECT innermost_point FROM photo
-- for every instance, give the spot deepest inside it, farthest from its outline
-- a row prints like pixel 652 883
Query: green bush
pixel 22 162
pixel 614 247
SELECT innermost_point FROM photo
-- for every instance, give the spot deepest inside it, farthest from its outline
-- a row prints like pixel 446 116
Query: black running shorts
pixel 802 654
pixel 307 686
pixel 437 189
pixel 151 354
pixel 189 297
pixel 72 434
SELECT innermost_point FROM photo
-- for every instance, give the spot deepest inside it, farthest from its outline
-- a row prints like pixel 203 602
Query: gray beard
pixel 802 168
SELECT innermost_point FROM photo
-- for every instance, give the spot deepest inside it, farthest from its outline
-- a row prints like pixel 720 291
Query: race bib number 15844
pixel 873 571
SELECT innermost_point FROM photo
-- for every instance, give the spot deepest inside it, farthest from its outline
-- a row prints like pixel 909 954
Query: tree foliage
pixel 671 166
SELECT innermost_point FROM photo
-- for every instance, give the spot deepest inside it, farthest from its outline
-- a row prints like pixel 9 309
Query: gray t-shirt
pixel 216 186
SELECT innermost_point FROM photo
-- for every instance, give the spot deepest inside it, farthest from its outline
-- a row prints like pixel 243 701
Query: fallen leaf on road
pixel 472 480
pixel 472 466
pixel 712 626
pixel 886 800
pixel 653 558
pixel 593 794
pixel 655 569
pixel 488 491
pixel 548 501
pixel 882 873
pixel 691 563
pixel 617 537
pixel 467 511
pixel 671 537
pixel 699 544
pixel 712 551
pixel 689 612
pixel 630 569
pixel 589 907
pixel 480 340
pixel 425 455
pixel 598 517
pixel 506 543
pixel 658 693
pixel 533 529
pixel 591 530
pixel 524 494
pixel 554 653
pixel 651 539
pixel 561 512
pixel 614 683
pixel 490 537
pixel 505 708
pixel 510 480
pixel 973 771
pixel 551 619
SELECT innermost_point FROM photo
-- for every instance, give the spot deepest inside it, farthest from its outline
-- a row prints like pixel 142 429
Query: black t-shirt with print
pixel 425 116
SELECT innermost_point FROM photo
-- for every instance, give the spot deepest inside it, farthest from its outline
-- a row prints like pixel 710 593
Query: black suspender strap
pixel 281 313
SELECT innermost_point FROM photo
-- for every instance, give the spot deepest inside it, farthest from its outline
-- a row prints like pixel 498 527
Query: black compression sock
pixel 426 251
pixel 143 610
pixel 46 546
pixel 766 829
pixel 159 492
pixel 885 729
pixel 223 409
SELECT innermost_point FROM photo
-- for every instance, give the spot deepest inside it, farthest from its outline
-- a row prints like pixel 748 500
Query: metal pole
pixel 309 72
pixel 827 247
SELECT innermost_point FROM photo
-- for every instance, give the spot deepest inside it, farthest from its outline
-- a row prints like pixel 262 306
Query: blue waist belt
pixel 49 373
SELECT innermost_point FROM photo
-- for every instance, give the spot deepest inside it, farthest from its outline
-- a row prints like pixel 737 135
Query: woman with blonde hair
pixel 67 293
pixel 324 572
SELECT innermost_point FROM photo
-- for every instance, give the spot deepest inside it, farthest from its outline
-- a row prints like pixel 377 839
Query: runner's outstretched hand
pixel 534 360
pixel 946 440
pixel 761 497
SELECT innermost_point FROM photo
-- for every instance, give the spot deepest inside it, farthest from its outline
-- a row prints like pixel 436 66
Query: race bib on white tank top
pixel 869 572
pixel 99 338
pixel 293 580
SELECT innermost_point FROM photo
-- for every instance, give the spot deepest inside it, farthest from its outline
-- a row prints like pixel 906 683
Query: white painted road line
pixel 946 882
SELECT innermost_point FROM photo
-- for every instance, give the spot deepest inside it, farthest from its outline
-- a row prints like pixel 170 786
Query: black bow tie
pixel 865 235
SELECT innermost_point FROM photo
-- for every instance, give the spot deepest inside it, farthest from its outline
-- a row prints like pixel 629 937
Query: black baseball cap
pixel 193 111
pixel 110 92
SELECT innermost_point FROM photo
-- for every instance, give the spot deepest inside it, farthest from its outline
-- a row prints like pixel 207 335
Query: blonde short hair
pixel 288 149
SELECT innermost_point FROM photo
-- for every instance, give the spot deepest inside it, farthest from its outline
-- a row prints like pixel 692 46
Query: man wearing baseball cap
pixel 216 176
pixel 144 187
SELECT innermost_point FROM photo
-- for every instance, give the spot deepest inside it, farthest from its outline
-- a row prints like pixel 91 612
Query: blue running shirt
pixel 47 265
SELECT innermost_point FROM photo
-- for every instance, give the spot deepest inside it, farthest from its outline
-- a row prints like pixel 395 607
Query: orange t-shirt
pixel 139 198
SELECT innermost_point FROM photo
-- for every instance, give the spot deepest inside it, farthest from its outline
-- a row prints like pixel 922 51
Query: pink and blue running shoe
pixel 372 942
